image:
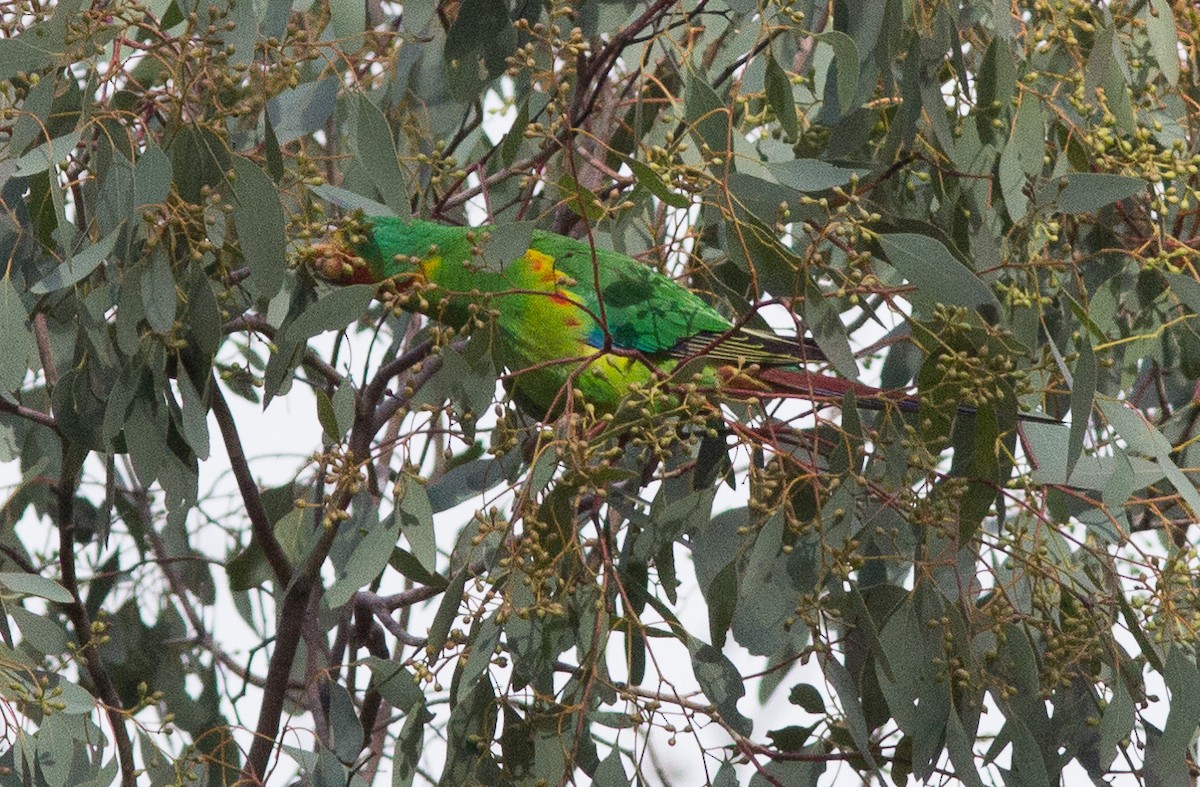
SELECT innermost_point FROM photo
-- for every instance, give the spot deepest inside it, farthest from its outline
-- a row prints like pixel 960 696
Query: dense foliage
pixel 993 202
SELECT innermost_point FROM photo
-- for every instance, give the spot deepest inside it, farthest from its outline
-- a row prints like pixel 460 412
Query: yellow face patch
pixel 430 266
pixel 541 265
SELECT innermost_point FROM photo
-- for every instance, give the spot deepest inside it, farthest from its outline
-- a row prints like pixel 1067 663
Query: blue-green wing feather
pixel 651 313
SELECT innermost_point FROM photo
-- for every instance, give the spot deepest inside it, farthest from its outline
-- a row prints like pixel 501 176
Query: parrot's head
pixel 353 254
pixel 336 261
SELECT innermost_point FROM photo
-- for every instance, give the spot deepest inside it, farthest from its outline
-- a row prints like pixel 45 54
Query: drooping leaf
pixel 78 266
pixel 18 341
pixel 415 516
pixel 1087 192
pixel 373 146
pixel 1083 389
pixel 349 20
pixel 936 273
pixel 198 160
pixel 1164 38
pixel 721 683
pixel 344 724
pixel 261 226
pixel 34 585
pixel 846 64
pixel 303 109
pixel 158 293
pixel 483 640
pixel 707 115
pixel 779 96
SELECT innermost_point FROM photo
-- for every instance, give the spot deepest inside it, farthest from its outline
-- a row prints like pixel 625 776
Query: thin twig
pixel 259 324
pixel 166 564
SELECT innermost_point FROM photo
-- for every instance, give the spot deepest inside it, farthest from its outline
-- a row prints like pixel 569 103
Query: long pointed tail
pixel 816 387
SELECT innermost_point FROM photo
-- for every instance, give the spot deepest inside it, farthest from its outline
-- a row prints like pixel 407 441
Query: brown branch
pixel 409 597
pixel 21 411
pixel 303 592
pixel 373 392
pixel 259 523
pixel 76 610
pixel 604 61
pixel 82 623
pixel 375 709
pixel 389 408
pixel 41 336
pixel 382 607
pixel 16 557
pixel 287 639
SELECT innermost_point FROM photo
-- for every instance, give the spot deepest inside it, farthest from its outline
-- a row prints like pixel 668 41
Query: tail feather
pixel 748 346
pixel 807 385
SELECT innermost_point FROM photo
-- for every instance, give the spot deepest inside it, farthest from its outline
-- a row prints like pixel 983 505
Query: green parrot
pixel 567 314
pixel 571 317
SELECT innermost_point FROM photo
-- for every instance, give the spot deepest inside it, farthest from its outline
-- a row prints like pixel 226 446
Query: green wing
pixel 650 313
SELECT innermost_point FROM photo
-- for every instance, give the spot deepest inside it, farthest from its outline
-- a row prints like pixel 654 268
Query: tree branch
pixel 373 393
pixel 41 336
pixel 28 413
pixel 82 623
pixel 287 639
pixel 389 408
pixel 260 525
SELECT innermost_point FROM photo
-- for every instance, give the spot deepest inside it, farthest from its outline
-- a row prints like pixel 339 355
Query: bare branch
pixel 20 410
pixel 264 533
pixel 82 623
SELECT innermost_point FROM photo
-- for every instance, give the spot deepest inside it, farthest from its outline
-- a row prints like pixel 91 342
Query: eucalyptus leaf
pixel 14 361
pixel 395 682
pixel 1086 192
pixel 47 155
pixel 373 146
pixel 303 109
pixel 846 59
pixel 812 175
pixel 158 293
pixel 365 564
pixel 34 585
pixel 779 95
pixel 1164 37
pixel 721 683
pixel 344 724
pixel 259 218
pixel 937 275
pixel 78 266
pixel 415 516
